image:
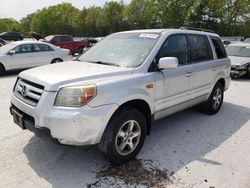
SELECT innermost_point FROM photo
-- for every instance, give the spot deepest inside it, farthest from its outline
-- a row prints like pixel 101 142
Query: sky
pixel 18 9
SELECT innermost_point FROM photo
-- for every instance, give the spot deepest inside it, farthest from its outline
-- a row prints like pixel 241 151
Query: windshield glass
pixel 241 51
pixel 6 48
pixel 48 38
pixel 122 49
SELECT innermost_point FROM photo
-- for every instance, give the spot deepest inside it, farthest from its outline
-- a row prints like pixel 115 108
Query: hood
pixel 72 72
pixel 235 60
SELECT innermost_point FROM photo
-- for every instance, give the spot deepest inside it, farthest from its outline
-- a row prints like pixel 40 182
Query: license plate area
pixel 17 117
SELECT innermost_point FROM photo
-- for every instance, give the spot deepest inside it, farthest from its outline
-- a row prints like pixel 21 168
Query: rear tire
pixel 57 60
pixel 124 136
pixel 80 50
pixel 215 100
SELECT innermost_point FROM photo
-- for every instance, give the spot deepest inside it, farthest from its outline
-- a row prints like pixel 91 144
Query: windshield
pixel 241 51
pixel 247 40
pixel 48 38
pixel 122 49
pixel 6 48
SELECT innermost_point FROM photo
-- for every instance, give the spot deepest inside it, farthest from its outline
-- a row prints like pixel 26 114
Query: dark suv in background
pixel 11 35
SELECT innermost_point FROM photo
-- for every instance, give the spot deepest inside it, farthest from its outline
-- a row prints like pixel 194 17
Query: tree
pixel 9 24
pixel 91 21
pixel 112 17
pixel 135 12
pixel 55 19
pixel 26 22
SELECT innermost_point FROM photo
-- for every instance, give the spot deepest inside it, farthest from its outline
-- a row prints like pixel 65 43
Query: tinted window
pixel 219 48
pixel 199 48
pixel 175 46
pixel 65 39
pixel 25 48
pixel 42 48
pixel 14 34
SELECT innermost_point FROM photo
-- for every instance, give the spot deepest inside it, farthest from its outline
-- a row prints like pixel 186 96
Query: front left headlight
pixel 75 96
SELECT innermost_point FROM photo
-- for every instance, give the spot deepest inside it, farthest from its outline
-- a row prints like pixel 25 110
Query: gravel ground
pixel 187 149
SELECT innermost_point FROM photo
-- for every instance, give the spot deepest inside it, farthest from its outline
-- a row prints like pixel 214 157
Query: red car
pixel 66 41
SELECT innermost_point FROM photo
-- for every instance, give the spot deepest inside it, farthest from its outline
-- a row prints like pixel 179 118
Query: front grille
pixel 233 67
pixel 28 92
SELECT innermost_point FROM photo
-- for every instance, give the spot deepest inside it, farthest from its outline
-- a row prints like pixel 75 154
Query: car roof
pixel 29 42
pixel 172 31
pixel 60 35
pixel 240 44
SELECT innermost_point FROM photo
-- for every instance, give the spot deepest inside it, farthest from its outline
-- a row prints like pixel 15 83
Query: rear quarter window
pixel 219 47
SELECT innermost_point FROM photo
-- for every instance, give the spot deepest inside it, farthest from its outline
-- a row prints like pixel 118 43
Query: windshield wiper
pixel 105 63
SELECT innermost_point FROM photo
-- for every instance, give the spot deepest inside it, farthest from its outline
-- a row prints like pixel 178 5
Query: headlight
pixel 75 96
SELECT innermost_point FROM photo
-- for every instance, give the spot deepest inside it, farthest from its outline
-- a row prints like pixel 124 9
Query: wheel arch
pixel 59 58
pixel 222 82
pixel 143 107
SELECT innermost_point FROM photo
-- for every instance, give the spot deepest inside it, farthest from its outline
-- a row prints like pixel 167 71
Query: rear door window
pixel 42 48
pixel 200 49
pixel 219 48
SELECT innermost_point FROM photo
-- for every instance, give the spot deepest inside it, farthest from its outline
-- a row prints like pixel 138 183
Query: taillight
pixel 69 53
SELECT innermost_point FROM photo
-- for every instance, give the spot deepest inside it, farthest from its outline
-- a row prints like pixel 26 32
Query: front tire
pixel 248 71
pixel 124 136
pixel 215 100
pixel 2 69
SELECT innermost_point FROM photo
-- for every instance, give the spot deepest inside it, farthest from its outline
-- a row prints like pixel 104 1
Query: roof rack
pixel 196 29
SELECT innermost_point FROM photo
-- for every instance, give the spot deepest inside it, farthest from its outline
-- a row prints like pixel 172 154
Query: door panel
pixel 22 58
pixel 202 58
pixel 43 54
pixel 174 86
pixel 18 61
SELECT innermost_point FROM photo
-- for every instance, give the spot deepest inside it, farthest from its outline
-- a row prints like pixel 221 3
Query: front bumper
pixel 237 71
pixel 71 126
pixel 28 123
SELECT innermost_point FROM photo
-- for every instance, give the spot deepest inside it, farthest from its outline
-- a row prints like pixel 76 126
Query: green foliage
pixel 227 17
pixel 55 19
pixel 8 24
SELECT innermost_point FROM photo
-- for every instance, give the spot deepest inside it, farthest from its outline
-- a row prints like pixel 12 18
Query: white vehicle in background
pixel 26 54
pixel 239 54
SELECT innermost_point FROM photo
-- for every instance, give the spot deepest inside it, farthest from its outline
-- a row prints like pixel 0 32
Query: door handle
pixel 189 73
pixel 214 68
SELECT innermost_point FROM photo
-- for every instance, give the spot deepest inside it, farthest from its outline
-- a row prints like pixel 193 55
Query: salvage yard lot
pixel 187 149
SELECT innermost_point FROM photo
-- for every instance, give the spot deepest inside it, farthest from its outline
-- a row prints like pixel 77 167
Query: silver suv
pixel 115 90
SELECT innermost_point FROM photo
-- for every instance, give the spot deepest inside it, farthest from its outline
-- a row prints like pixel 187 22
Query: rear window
pixel 219 48
pixel 200 49
pixel 240 51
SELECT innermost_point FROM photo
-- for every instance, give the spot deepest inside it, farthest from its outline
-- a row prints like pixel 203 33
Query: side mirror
pixel 11 52
pixel 168 63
